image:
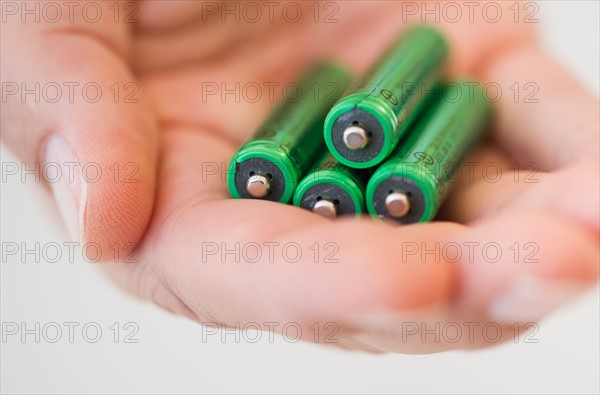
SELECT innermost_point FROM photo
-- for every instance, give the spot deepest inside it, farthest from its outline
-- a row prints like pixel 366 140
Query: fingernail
pixel 67 184
pixel 530 299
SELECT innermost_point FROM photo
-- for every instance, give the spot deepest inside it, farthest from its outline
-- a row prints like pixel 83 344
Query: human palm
pixel 506 247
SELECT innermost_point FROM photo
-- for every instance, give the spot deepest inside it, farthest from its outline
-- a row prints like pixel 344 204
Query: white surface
pixel 171 355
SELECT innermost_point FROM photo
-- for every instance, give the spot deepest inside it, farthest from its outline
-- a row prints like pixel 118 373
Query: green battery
pixel 363 128
pixel 270 165
pixel 332 189
pixel 413 183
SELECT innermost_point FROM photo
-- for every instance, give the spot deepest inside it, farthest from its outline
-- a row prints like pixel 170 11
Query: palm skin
pixel 357 274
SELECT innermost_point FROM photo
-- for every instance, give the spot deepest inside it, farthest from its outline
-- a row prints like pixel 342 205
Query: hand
pixel 378 284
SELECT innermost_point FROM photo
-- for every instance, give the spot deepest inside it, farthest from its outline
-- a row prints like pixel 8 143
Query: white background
pixel 172 356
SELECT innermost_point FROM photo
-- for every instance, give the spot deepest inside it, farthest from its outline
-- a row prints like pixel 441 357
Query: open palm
pixel 517 237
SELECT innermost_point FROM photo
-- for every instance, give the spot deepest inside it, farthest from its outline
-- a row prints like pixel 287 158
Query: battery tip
pixel 397 204
pixel 325 208
pixel 355 138
pixel 258 186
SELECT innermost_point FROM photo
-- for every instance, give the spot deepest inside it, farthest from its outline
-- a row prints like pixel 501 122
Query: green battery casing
pixel 388 97
pixel 333 181
pixel 290 141
pixel 425 161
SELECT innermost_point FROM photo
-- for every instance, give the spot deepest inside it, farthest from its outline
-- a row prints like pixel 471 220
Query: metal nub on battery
pixel 325 208
pixel 363 128
pixel 270 165
pixel 397 204
pixel 332 189
pixel 258 186
pixel 414 181
pixel 355 137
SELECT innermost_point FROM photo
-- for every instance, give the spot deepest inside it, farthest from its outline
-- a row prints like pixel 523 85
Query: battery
pixel 270 165
pixel 332 189
pixel 363 128
pixel 413 183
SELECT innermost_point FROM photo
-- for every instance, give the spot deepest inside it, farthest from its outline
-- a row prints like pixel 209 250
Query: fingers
pixel 486 181
pixel 484 32
pixel 237 262
pixel 305 275
pixel 511 271
pixel 536 259
pixel 553 121
pixel 214 29
pixel 232 95
pixel 205 95
pixel 196 41
pixel 573 191
pixel 474 37
pixel 352 32
pixel 76 112
pixel 158 16
pixel 552 125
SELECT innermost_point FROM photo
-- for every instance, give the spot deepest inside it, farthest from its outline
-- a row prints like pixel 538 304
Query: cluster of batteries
pixel 391 143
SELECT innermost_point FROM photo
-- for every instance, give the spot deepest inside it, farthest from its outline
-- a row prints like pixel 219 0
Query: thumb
pixel 74 112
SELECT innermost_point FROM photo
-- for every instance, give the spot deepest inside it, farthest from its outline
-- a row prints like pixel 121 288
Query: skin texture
pixel 175 208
